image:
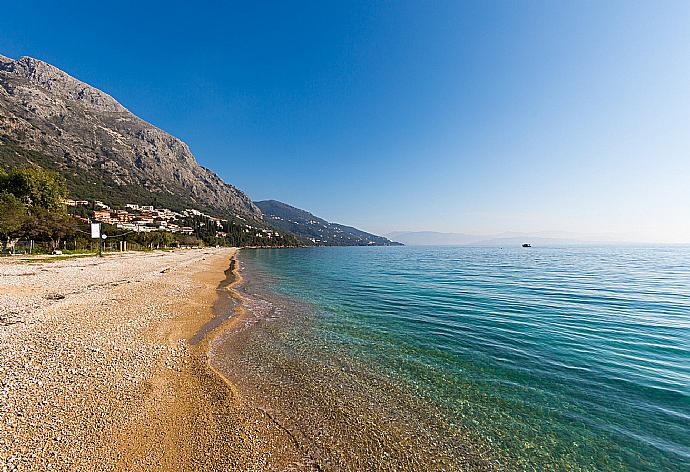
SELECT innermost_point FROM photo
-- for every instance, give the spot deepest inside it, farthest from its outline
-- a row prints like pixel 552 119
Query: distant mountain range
pixel 547 238
pixel 317 230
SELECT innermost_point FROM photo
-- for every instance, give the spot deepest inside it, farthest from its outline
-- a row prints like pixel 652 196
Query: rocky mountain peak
pixel 86 134
pixel 60 83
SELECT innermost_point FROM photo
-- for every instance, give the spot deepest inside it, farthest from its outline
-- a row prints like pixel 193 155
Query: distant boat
pixel 526 245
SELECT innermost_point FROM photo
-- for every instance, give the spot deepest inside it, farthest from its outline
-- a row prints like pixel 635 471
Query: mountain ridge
pixel 317 230
pixel 46 115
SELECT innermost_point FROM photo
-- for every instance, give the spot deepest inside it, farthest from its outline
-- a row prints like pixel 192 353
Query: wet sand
pixel 339 415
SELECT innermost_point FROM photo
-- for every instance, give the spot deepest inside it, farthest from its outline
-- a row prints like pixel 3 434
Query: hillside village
pixel 146 218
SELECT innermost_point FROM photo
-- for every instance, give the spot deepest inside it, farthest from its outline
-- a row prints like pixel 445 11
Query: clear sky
pixel 460 116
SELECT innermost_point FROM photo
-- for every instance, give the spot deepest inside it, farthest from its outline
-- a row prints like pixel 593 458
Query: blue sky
pixel 459 116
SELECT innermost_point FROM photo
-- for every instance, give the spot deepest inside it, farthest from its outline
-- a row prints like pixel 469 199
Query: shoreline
pixel 140 365
pixel 226 306
pixel 339 415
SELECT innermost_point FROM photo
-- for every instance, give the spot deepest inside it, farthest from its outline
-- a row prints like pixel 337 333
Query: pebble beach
pixel 97 372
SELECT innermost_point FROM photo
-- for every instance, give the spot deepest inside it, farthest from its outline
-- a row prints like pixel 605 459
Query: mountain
pixel 317 230
pixel 545 238
pixel 104 151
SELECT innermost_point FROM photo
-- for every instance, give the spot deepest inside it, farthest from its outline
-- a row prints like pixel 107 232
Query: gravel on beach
pixel 96 372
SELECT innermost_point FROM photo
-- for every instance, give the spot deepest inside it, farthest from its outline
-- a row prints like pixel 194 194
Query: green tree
pixel 45 224
pixel 13 216
pixel 166 239
pixel 35 186
pixel 40 194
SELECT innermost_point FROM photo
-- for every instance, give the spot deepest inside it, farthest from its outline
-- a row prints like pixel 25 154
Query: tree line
pixel 32 207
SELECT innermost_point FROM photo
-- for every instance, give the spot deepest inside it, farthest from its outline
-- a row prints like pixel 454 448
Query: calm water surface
pixel 548 357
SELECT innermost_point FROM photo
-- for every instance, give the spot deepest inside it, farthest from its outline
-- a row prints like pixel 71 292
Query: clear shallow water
pixel 547 357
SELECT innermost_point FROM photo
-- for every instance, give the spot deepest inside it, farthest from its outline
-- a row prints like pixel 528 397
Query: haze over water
pixel 545 357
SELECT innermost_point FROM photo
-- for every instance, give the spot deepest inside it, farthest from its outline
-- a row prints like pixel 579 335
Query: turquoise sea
pixel 545 358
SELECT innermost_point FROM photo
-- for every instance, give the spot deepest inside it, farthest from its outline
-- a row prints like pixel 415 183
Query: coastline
pixel 338 415
pixel 385 360
pixel 98 375
pixel 171 361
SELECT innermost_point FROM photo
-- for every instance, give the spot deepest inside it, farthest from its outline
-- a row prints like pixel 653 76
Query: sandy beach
pixel 97 372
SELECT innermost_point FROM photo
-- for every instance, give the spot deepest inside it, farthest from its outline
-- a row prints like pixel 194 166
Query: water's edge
pixel 339 417
pixel 501 377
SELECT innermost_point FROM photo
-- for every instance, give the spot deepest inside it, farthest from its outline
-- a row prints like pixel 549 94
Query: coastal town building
pixel 148 218
pixel 74 203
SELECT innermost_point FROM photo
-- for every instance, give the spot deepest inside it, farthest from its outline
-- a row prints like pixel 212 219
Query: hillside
pixel 104 151
pixel 315 229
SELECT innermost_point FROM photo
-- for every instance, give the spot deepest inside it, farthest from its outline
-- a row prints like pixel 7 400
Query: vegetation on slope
pixel 32 208
pixel 317 230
